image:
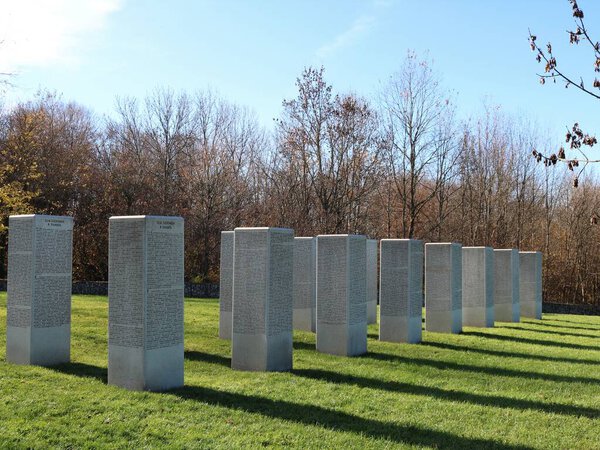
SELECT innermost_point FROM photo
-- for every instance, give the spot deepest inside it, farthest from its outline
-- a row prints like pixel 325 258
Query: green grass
pixel 530 385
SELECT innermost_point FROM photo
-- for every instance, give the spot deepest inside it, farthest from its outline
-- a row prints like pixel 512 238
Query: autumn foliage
pixel 398 164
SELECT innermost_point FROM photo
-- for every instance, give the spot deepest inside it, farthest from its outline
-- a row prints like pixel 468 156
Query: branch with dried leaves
pixel 575 137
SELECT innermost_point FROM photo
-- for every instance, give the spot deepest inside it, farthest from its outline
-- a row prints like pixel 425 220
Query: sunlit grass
pixel 530 385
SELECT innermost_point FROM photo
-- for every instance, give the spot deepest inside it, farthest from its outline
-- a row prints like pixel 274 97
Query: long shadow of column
pixel 307 414
pixel 443 394
pixel 313 415
pixel 495 371
pixel 559 333
pixel 523 340
pixel 509 354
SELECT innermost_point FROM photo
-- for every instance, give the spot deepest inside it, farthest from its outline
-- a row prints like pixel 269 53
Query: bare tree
pixel 328 148
pixel 414 109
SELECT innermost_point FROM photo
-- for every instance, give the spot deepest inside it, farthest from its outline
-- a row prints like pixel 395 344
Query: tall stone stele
pixel 38 323
pixel 506 285
pixel 478 286
pixel 401 290
pixel 530 292
pixel 341 294
pixel 443 287
pixel 262 299
pixel 145 302
pixel 372 281
pixel 305 284
pixel 226 284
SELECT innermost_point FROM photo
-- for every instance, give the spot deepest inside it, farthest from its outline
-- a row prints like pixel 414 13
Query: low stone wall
pixel 564 308
pixel 211 290
pixel 90 288
pixel 202 290
pixel 196 290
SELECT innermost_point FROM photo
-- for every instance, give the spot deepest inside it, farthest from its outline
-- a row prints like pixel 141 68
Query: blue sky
pixel 252 51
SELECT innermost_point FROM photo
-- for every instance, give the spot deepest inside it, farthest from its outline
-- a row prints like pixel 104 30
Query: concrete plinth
pixel 372 281
pixel 38 324
pixel 401 290
pixel 506 285
pixel 341 295
pixel 262 299
pixel 226 284
pixel 305 284
pixel 478 286
pixel 145 297
pixel 443 287
pixel 530 291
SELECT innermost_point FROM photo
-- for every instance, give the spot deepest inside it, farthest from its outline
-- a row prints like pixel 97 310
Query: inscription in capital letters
pixel 126 289
pixel 250 284
pixel 456 274
pixel 20 272
pixel 303 274
pixel 53 262
pixel 357 283
pixel 503 274
pixel 332 280
pixel 280 310
pixel 439 274
pixel 226 271
pixel 416 279
pixel 164 303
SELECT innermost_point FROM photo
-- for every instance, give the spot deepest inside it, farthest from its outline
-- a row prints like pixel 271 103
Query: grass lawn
pixel 530 385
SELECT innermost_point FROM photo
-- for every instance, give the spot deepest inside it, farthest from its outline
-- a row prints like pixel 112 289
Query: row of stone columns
pixel 271 282
pixel 460 286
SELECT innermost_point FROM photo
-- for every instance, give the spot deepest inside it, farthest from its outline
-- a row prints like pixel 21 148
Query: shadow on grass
pixel 496 371
pixel 330 419
pixel 442 394
pixel 501 353
pixel 577 322
pixel 546 324
pixel 82 370
pixel 560 333
pixel 532 341
pixel 299 345
pixel 210 358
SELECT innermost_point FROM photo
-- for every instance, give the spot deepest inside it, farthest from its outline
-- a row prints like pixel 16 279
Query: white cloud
pixel 346 38
pixel 43 32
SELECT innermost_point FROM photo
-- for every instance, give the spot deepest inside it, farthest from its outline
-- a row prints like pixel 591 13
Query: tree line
pixel 395 164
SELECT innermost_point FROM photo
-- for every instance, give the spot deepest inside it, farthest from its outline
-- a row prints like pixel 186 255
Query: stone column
pixel 145 298
pixel 371 281
pixel 262 299
pixel 443 287
pixel 401 290
pixel 38 323
pixel 341 294
pixel 530 291
pixel 506 285
pixel 226 284
pixel 478 286
pixel 305 284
